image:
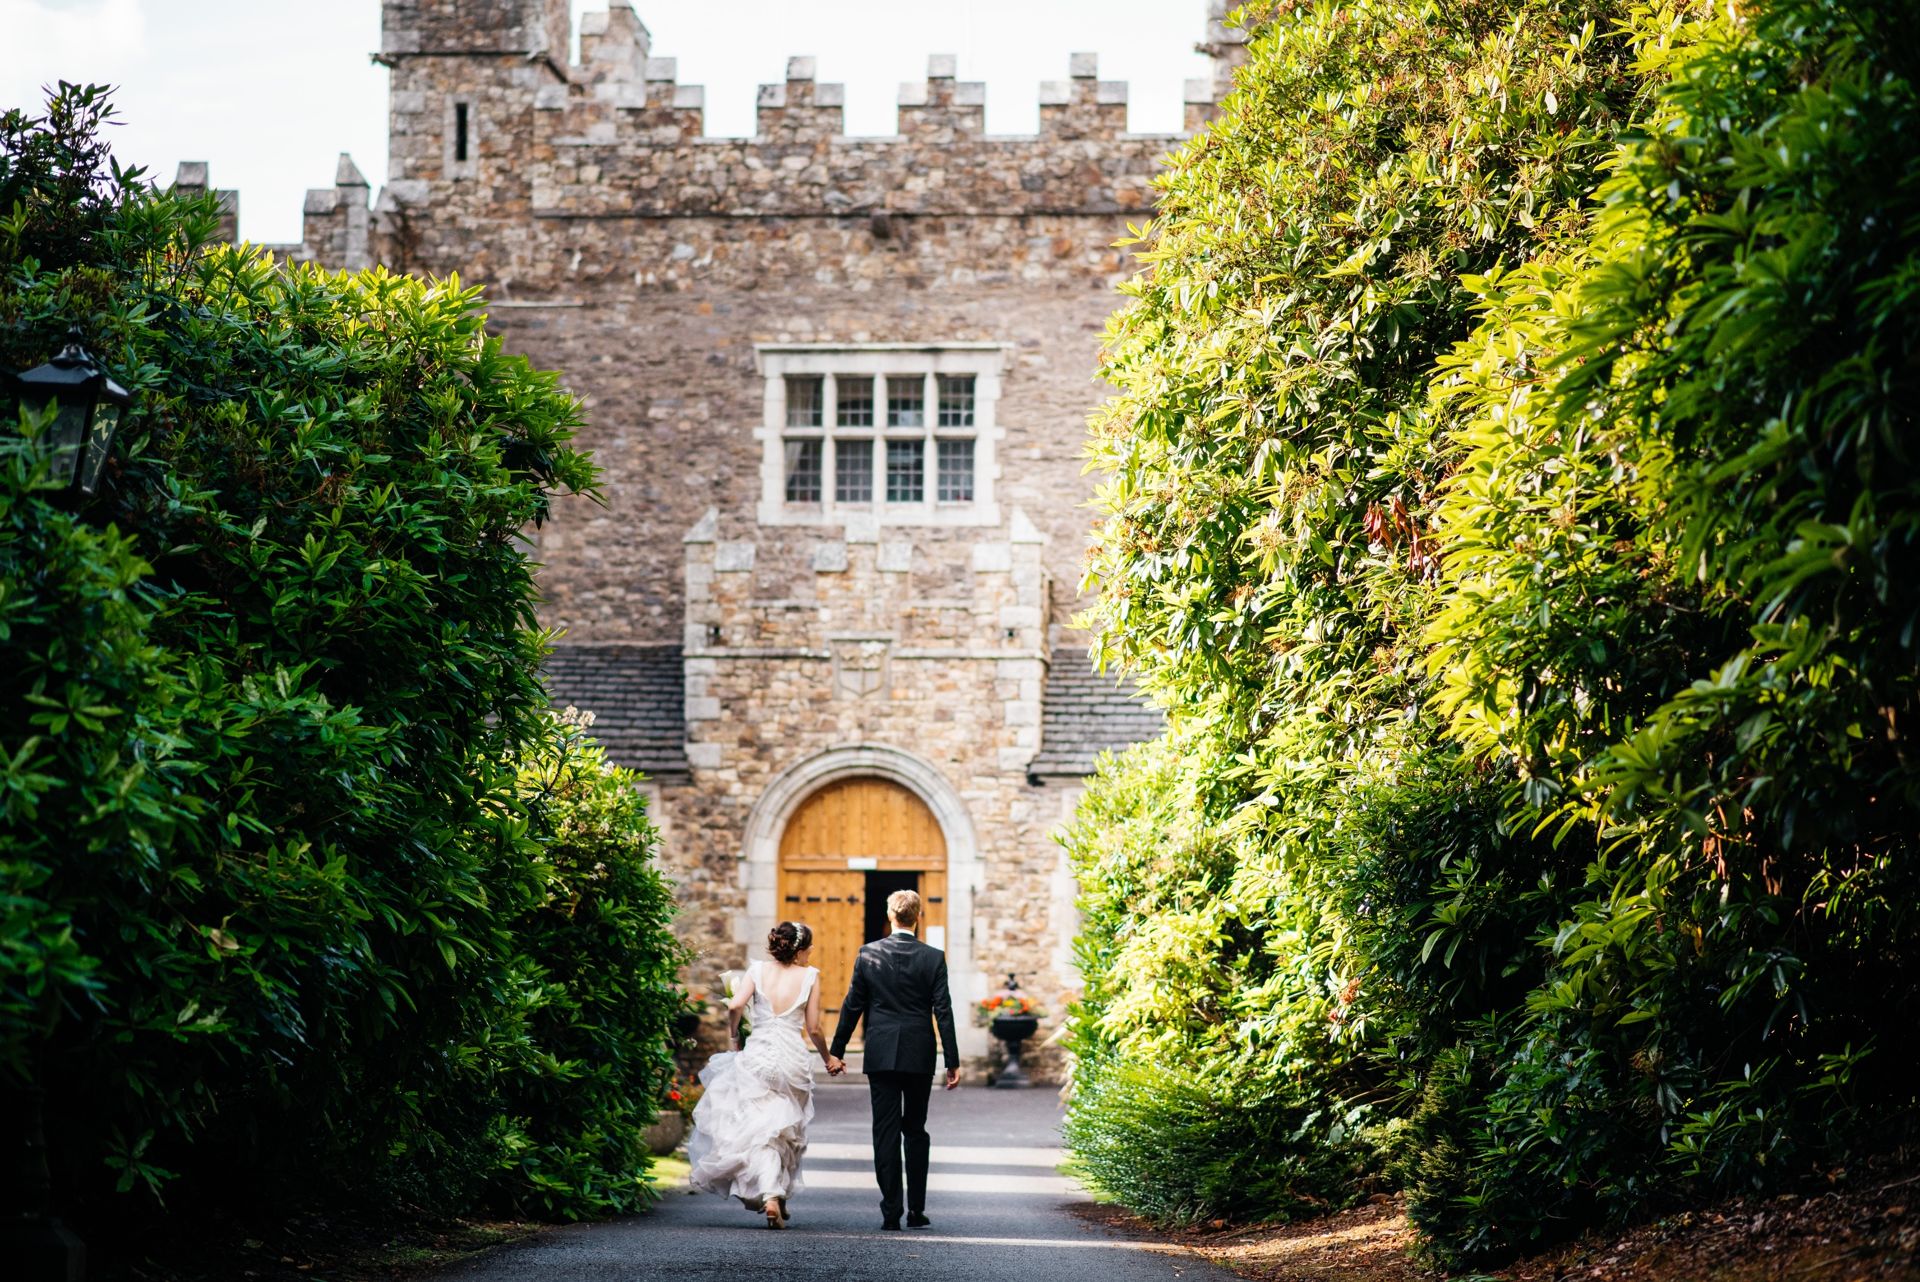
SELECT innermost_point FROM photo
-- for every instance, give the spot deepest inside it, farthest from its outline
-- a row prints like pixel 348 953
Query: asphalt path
pixel 1001 1212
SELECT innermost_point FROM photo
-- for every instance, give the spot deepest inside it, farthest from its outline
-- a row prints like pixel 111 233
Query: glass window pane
pixel 956 400
pixel 907 402
pixel 803 471
pixel 906 471
pixel 853 402
pixel 804 395
pixel 852 471
pixel 956 471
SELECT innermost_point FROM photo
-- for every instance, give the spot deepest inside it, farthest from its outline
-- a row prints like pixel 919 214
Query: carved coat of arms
pixel 860 667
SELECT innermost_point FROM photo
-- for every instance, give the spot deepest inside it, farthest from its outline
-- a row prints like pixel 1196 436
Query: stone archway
pixel 792 788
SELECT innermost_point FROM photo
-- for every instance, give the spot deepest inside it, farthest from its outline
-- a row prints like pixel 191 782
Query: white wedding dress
pixel 750 1126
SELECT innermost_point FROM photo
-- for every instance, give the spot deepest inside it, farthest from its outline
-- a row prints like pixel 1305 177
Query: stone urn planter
pixel 667 1132
pixel 1013 1030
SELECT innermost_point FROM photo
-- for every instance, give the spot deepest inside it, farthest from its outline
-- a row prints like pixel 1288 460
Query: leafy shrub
pixel 1189 1149
pixel 279 894
pixel 1181 1108
pixel 1700 524
pixel 1155 952
pixel 609 991
pixel 1550 661
pixel 1301 895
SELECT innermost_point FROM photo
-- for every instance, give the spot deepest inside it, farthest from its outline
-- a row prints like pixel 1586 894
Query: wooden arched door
pixel 846 848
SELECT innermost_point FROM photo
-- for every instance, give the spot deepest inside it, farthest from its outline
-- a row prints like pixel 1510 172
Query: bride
pixel 750 1126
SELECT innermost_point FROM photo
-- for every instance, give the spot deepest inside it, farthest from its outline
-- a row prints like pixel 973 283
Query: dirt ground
pixel 1866 1233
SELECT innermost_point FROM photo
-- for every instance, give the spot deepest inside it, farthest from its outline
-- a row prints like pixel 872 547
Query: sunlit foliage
pixel 1525 572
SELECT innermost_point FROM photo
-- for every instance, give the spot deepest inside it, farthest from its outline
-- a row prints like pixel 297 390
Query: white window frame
pixel 879 361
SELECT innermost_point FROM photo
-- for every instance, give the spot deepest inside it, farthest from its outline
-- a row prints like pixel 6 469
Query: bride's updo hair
pixel 788 940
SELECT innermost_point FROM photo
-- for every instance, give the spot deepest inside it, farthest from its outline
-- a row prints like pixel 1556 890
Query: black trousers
pixel 900 1119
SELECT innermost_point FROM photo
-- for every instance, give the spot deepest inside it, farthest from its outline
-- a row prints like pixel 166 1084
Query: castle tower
pixel 465 76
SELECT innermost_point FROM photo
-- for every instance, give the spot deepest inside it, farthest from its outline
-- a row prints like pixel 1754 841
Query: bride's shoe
pixel 776 1213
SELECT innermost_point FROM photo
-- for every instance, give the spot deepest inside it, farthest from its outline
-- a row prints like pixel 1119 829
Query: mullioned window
pixel 894 434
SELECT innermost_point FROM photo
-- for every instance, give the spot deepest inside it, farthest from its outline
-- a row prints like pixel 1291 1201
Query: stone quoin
pixel 838 388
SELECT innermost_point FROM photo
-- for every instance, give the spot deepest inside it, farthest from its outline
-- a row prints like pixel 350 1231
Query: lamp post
pixel 87 405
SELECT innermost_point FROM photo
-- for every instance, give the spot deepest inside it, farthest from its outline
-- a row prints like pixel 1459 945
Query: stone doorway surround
pixel 760 852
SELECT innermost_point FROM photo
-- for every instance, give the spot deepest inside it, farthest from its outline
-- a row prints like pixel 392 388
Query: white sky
pixel 271 91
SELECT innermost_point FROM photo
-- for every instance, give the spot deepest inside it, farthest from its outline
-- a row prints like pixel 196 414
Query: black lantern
pixel 88 410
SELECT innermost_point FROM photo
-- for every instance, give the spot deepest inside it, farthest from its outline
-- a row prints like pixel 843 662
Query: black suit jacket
pixel 900 987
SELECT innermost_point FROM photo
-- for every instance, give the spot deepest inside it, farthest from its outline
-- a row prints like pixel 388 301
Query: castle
pixel 838 388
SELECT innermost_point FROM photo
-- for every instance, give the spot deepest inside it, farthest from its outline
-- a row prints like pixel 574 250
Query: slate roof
pixel 1086 713
pixel 637 695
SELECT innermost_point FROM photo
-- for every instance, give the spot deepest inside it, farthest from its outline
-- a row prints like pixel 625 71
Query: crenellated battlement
pixel 191 179
pixel 626 140
pixel 943 110
pixel 335 223
pixel 614 44
pixel 617 72
pixel 490 123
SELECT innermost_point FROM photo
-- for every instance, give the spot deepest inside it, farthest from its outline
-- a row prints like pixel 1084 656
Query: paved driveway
pixel 999 1206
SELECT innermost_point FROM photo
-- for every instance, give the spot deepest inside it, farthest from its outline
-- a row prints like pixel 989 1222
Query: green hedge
pixel 601 1027
pixel 1183 1148
pixel 1264 565
pixel 1702 523
pixel 281 893
pixel 1526 575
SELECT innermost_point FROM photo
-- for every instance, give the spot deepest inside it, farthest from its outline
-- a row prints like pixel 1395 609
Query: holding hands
pixel 835 1066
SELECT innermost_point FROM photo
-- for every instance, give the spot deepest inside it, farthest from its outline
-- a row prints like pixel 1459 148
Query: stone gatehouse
pixel 838 387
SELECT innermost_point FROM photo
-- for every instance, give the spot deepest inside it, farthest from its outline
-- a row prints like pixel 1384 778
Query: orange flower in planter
pixel 1007 1004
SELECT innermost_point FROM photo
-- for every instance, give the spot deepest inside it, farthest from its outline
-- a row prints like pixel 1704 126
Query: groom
pixel 900 985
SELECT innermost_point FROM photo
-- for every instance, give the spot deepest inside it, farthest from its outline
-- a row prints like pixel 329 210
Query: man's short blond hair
pixel 904 907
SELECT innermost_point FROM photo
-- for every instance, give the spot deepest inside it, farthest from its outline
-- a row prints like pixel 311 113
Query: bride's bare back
pixel 781 984
pixel 784 982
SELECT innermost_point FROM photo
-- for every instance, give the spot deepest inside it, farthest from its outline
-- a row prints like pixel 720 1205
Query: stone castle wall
pixel 620 245
pixel 674 396
pixel 653 266
pixel 959 662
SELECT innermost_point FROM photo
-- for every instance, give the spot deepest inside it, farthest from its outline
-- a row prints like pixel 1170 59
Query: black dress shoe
pixel 915 1220
pixel 892 1225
